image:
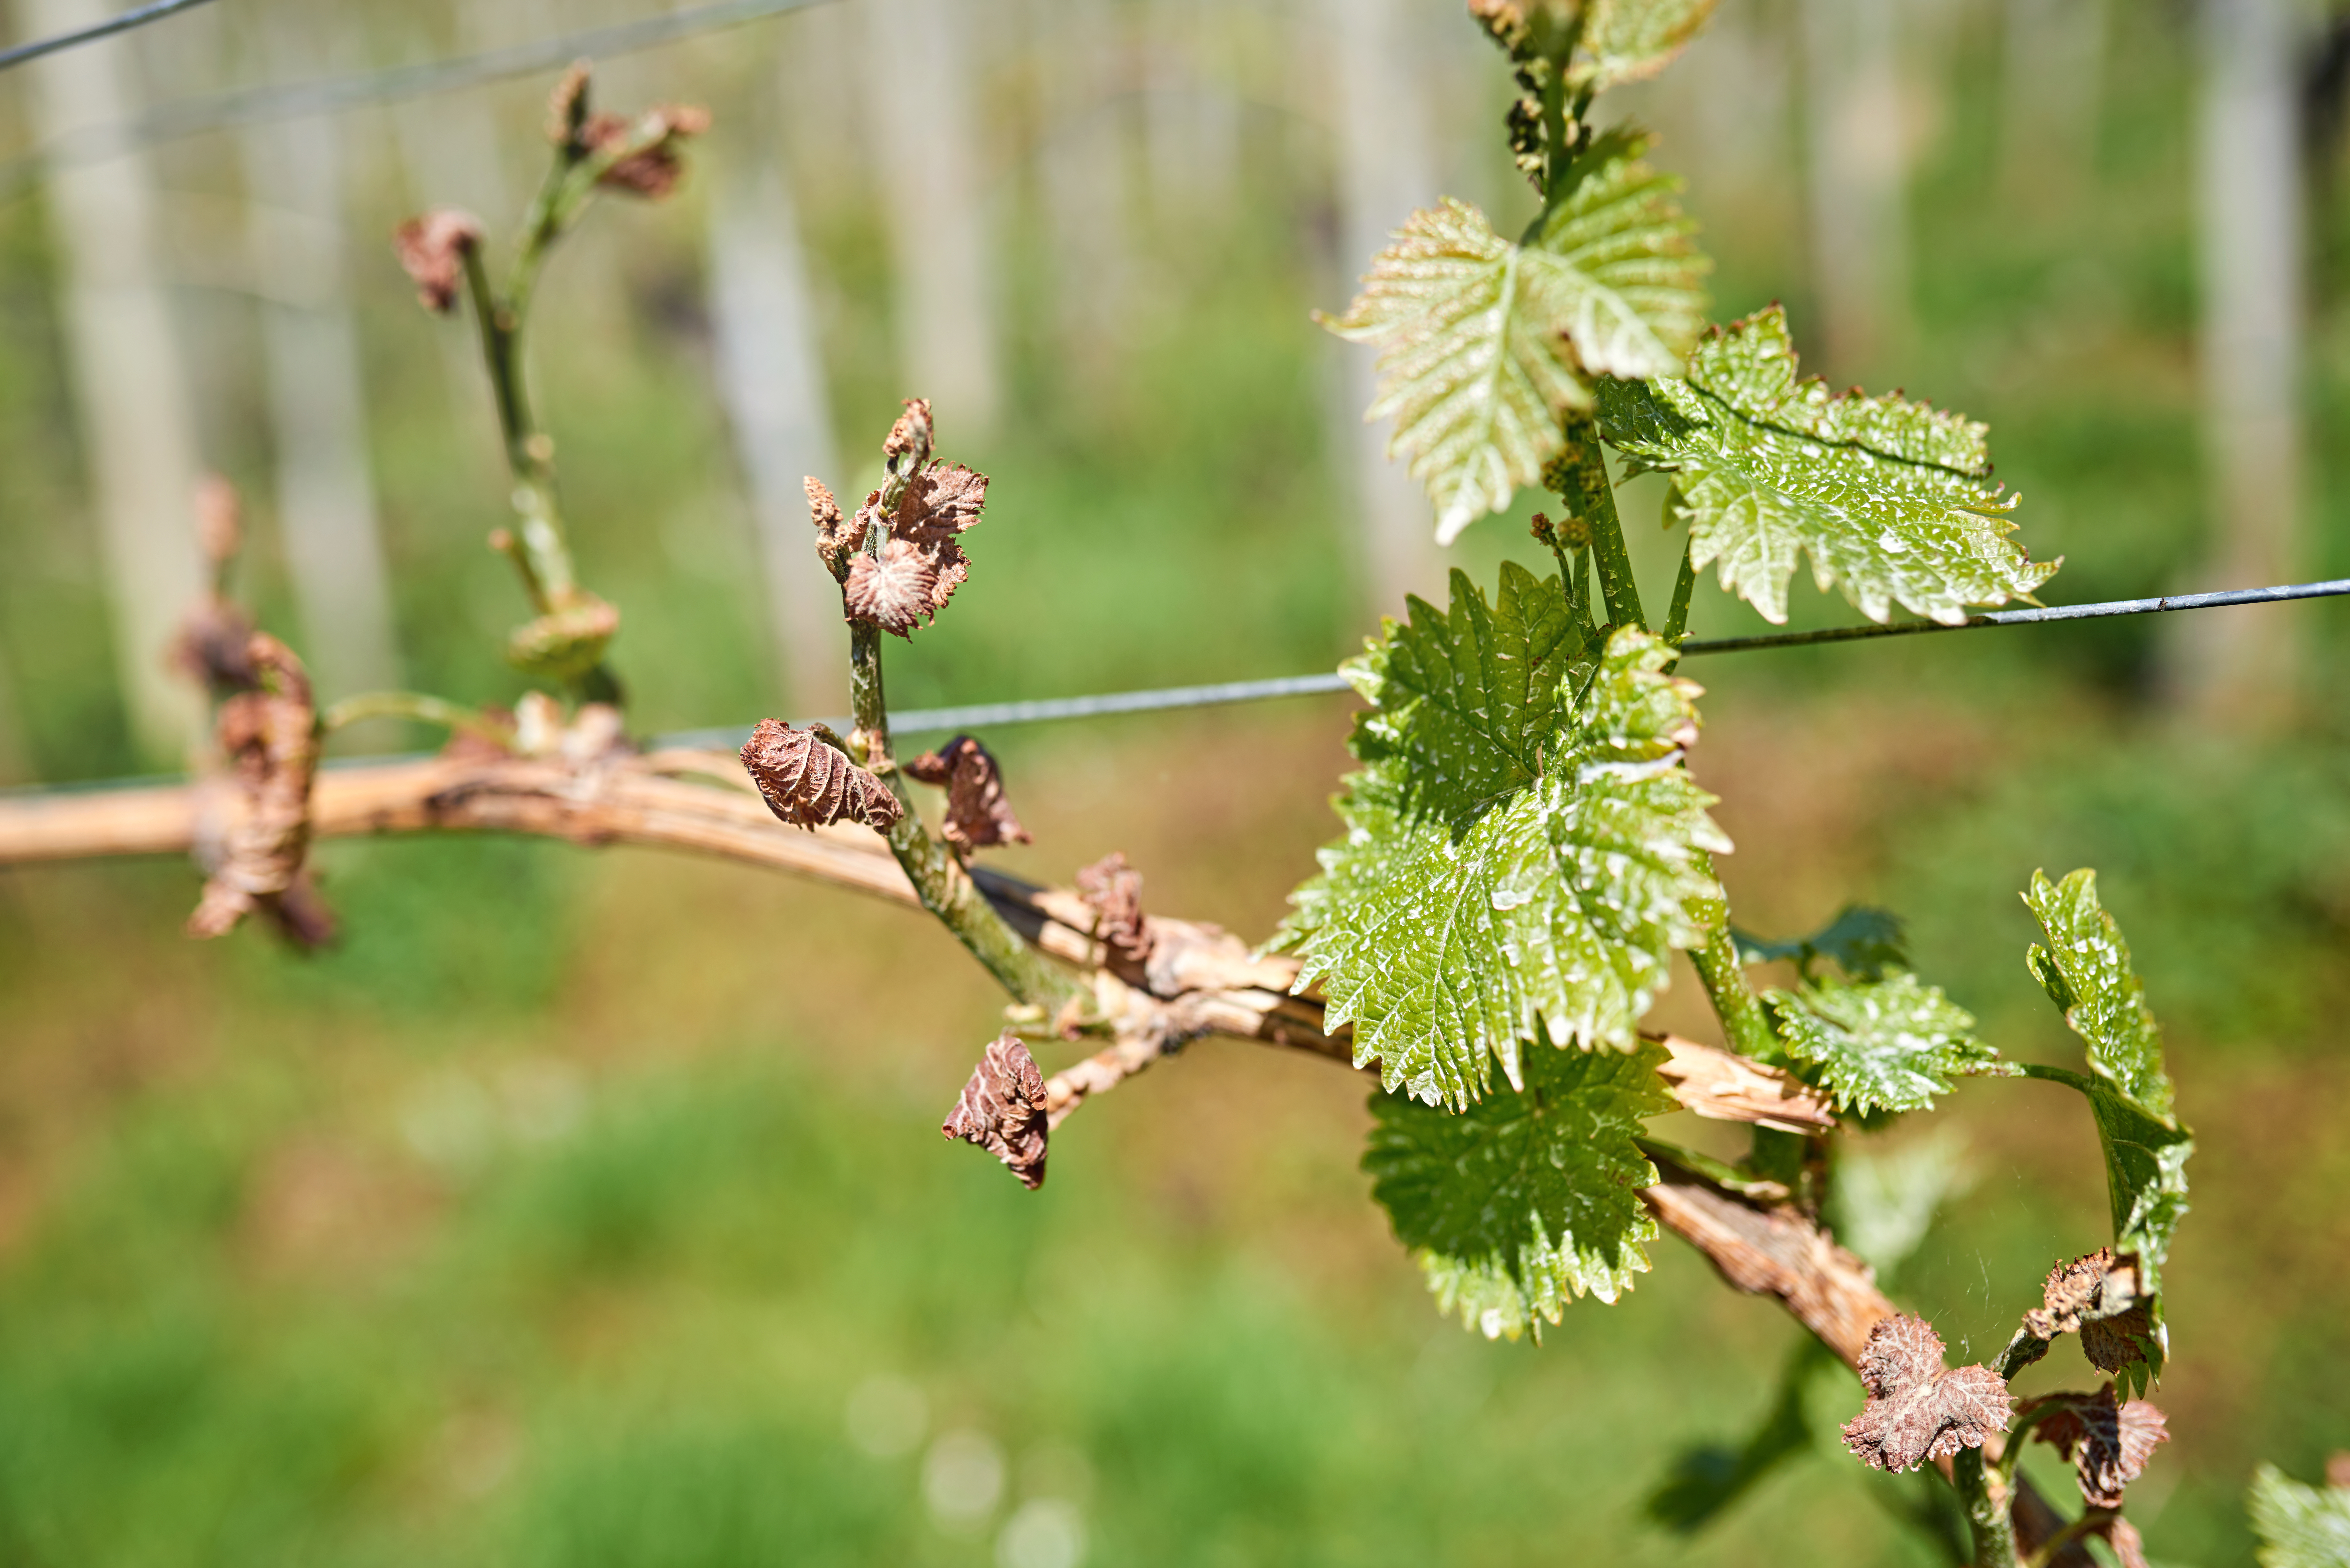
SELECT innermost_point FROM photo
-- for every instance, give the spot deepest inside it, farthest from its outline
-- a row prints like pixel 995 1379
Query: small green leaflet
pixel 1465 703
pixel 1632 40
pixel 1553 916
pixel 1891 499
pixel 1483 344
pixel 1863 942
pixel 1889 1044
pixel 2085 970
pixel 1528 1199
pixel 2300 1526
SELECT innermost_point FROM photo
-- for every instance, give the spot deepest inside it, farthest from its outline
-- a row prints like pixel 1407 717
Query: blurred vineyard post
pixel 296 179
pixel 1857 125
pixel 130 384
pixel 771 375
pixel 1383 170
pixel 2236 668
pixel 921 70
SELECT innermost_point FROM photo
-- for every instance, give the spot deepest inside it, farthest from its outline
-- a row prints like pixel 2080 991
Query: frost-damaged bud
pixel 653 169
pixel 2129 1546
pixel 1114 890
pixel 836 540
pixel 940 503
pixel 2096 1295
pixel 1917 1408
pixel 2107 1442
pixel 213 646
pixel 895 591
pixel 566 107
pixel 566 643
pixel 1003 1109
pixel 269 736
pixel 912 436
pixel 433 252
pixel 809 784
pixel 977 815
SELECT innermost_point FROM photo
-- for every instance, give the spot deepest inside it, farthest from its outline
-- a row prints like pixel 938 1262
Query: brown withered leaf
pixel 2107 1442
pixel 811 785
pixel 2337 1471
pixel 2124 1339
pixel 977 815
pixel 2129 1546
pixel 836 541
pixel 213 647
pixel 913 434
pixel 657 161
pixel 1114 890
pixel 268 735
pixel 1003 1109
pixel 567 106
pixel 1917 1408
pixel 2096 1296
pixel 941 502
pixel 431 250
pixel 893 592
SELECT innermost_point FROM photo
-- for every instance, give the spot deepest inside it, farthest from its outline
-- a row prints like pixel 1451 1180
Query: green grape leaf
pixel 2086 972
pixel 1889 1044
pixel 2300 1526
pixel 1466 704
pixel 1553 916
pixel 1863 942
pixel 1892 500
pixel 1632 40
pixel 1483 344
pixel 1528 1199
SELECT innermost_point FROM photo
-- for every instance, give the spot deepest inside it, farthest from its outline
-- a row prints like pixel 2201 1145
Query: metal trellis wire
pixel 995 715
pixel 293 100
pixel 138 17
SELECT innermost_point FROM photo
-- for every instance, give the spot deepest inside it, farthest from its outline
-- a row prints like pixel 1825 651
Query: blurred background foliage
pixel 586 1208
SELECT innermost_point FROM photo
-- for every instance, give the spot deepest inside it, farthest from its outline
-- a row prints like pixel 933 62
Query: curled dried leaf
pixel 269 736
pixel 893 591
pixel 431 250
pixel 810 783
pixel 1918 1409
pixel 2097 1296
pixel 213 647
pixel 943 502
pixel 977 815
pixel 566 642
pixel 2108 1442
pixel 654 158
pixel 912 436
pixel 567 106
pixel 2124 1339
pixel 1001 1110
pixel 836 541
pixel 1114 890
pixel 2129 1546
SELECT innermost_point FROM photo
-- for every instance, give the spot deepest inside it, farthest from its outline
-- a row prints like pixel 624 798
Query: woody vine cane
pixel 1524 849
